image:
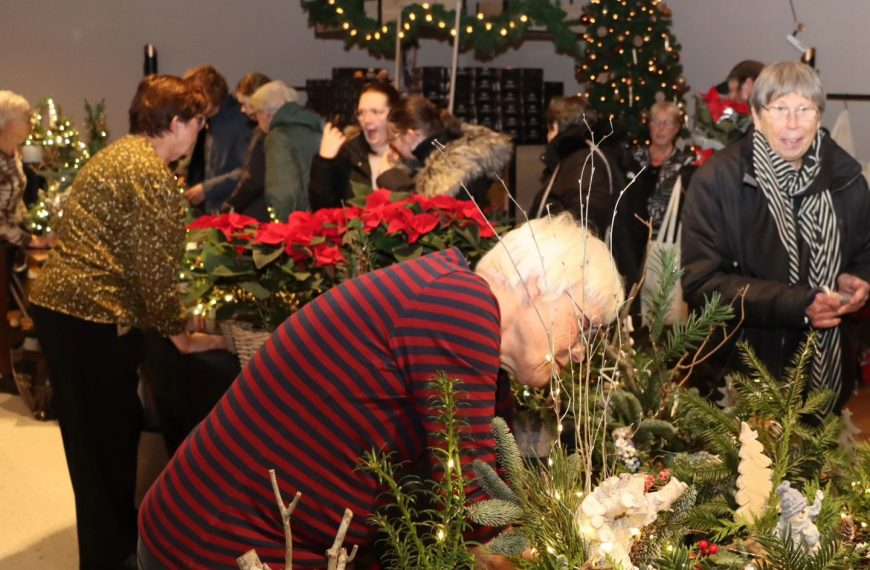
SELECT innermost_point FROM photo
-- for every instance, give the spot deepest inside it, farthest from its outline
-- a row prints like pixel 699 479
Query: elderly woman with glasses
pixel 360 158
pixel 779 218
pixel 655 169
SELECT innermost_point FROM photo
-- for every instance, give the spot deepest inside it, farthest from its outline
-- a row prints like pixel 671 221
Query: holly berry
pixel 703 545
pixel 713 549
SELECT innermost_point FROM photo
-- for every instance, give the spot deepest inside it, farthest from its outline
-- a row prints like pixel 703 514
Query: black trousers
pixel 185 386
pixel 94 376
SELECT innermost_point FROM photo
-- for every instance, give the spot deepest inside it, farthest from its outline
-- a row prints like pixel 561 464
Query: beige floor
pixel 37 514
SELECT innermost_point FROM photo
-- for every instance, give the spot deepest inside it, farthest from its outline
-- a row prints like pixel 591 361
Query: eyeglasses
pixel 664 123
pixel 804 115
pixel 360 113
pixel 201 121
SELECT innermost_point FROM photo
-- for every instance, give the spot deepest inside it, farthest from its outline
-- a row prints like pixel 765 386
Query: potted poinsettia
pixel 718 122
pixel 239 268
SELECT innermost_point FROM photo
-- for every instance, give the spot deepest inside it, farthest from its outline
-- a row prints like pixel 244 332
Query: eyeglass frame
pixel 664 123
pixel 772 110
pixel 360 113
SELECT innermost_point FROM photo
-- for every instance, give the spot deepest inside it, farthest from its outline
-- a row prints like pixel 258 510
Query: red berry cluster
pixel 661 479
pixel 707 549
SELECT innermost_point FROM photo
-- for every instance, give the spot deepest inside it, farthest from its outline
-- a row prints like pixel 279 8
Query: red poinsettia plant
pixel 237 267
pixel 718 122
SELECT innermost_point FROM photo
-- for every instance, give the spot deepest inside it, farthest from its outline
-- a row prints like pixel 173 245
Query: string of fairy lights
pixel 486 34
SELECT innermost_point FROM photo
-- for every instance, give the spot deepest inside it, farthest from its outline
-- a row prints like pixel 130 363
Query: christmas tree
pixel 63 151
pixel 631 60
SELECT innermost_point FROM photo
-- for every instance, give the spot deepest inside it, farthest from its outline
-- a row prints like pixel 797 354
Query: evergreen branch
pixel 508 453
pixel 491 483
pixel 650 428
pixel 511 542
pixel 495 512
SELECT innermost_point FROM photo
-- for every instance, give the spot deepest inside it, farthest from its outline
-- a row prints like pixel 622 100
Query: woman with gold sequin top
pixel 112 274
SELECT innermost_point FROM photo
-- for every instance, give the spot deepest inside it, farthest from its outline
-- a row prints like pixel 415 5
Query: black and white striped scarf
pixel 817 224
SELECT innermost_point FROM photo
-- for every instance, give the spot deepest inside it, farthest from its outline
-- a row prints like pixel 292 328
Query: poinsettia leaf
pixel 406 252
pixel 196 291
pixel 263 256
pixel 224 271
pixel 258 291
pixel 359 190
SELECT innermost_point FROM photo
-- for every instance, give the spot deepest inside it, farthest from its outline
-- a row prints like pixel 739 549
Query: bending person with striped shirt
pixel 351 371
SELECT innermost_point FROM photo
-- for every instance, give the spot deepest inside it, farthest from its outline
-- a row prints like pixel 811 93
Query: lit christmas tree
pixel 631 60
pixel 58 153
pixel 63 151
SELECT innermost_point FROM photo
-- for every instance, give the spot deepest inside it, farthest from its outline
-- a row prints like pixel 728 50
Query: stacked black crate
pixel 534 130
pixel 487 88
pixel 336 99
pixel 433 83
pixel 464 107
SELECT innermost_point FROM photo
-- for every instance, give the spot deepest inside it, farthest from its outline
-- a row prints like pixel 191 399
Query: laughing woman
pixel 780 218
pixel 364 159
pixel 112 274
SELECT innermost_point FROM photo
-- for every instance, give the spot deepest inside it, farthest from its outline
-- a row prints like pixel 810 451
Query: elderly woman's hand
pixel 823 312
pixel 855 290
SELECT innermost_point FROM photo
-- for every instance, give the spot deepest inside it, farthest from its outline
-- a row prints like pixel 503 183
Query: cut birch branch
pixel 250 561
pixel 286 512
pixel 335 552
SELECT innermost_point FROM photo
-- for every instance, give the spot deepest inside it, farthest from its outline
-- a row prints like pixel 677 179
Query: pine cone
pixel 847 529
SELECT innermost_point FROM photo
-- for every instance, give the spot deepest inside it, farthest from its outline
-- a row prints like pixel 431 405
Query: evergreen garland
pixel 487 36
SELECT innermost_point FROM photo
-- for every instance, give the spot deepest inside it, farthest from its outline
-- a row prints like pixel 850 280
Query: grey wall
pixel 77 49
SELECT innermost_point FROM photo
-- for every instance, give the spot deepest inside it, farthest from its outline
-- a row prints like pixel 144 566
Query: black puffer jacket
pixel 595 192
pixel 332 180
pixel 730 243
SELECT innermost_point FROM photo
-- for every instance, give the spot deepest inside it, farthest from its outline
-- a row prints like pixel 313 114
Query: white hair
pixel 12 106
pixel 272 96
pixel 558 254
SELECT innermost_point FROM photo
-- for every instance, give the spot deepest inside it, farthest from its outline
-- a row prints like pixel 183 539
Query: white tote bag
pixel 668 238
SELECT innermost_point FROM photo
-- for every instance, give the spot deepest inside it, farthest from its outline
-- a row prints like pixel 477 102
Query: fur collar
pixel 479 152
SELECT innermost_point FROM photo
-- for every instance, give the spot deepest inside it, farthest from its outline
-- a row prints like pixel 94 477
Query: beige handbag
pixel 668 238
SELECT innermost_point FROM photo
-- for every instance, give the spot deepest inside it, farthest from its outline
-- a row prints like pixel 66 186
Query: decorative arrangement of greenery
pixel 486 35
pixel 630 61
pixel 544 504
pixel 237 268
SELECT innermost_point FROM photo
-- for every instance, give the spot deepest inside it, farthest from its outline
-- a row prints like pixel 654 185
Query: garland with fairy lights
pixel 486 35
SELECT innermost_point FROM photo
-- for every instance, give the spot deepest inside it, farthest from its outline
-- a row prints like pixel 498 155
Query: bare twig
pixel 250 561
pixel 337 557
pixel 698 358
pixel 286 512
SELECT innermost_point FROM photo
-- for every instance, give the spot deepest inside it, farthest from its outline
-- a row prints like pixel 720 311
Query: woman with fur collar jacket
pixel 454 159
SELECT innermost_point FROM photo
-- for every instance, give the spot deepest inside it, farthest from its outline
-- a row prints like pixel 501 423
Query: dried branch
pixel 698 359
pixel 250 561
pixel 286 512
pixel 337 557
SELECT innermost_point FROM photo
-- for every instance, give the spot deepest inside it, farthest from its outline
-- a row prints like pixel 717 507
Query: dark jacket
pixel 248 198
pixel 645 198
pixel 730 243
pixel 228 132
pixel 290 145
pixel 473 159
pixel 332 179
pixel 583 180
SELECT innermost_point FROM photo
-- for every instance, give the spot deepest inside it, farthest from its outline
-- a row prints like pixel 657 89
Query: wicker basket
pixel 243 340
